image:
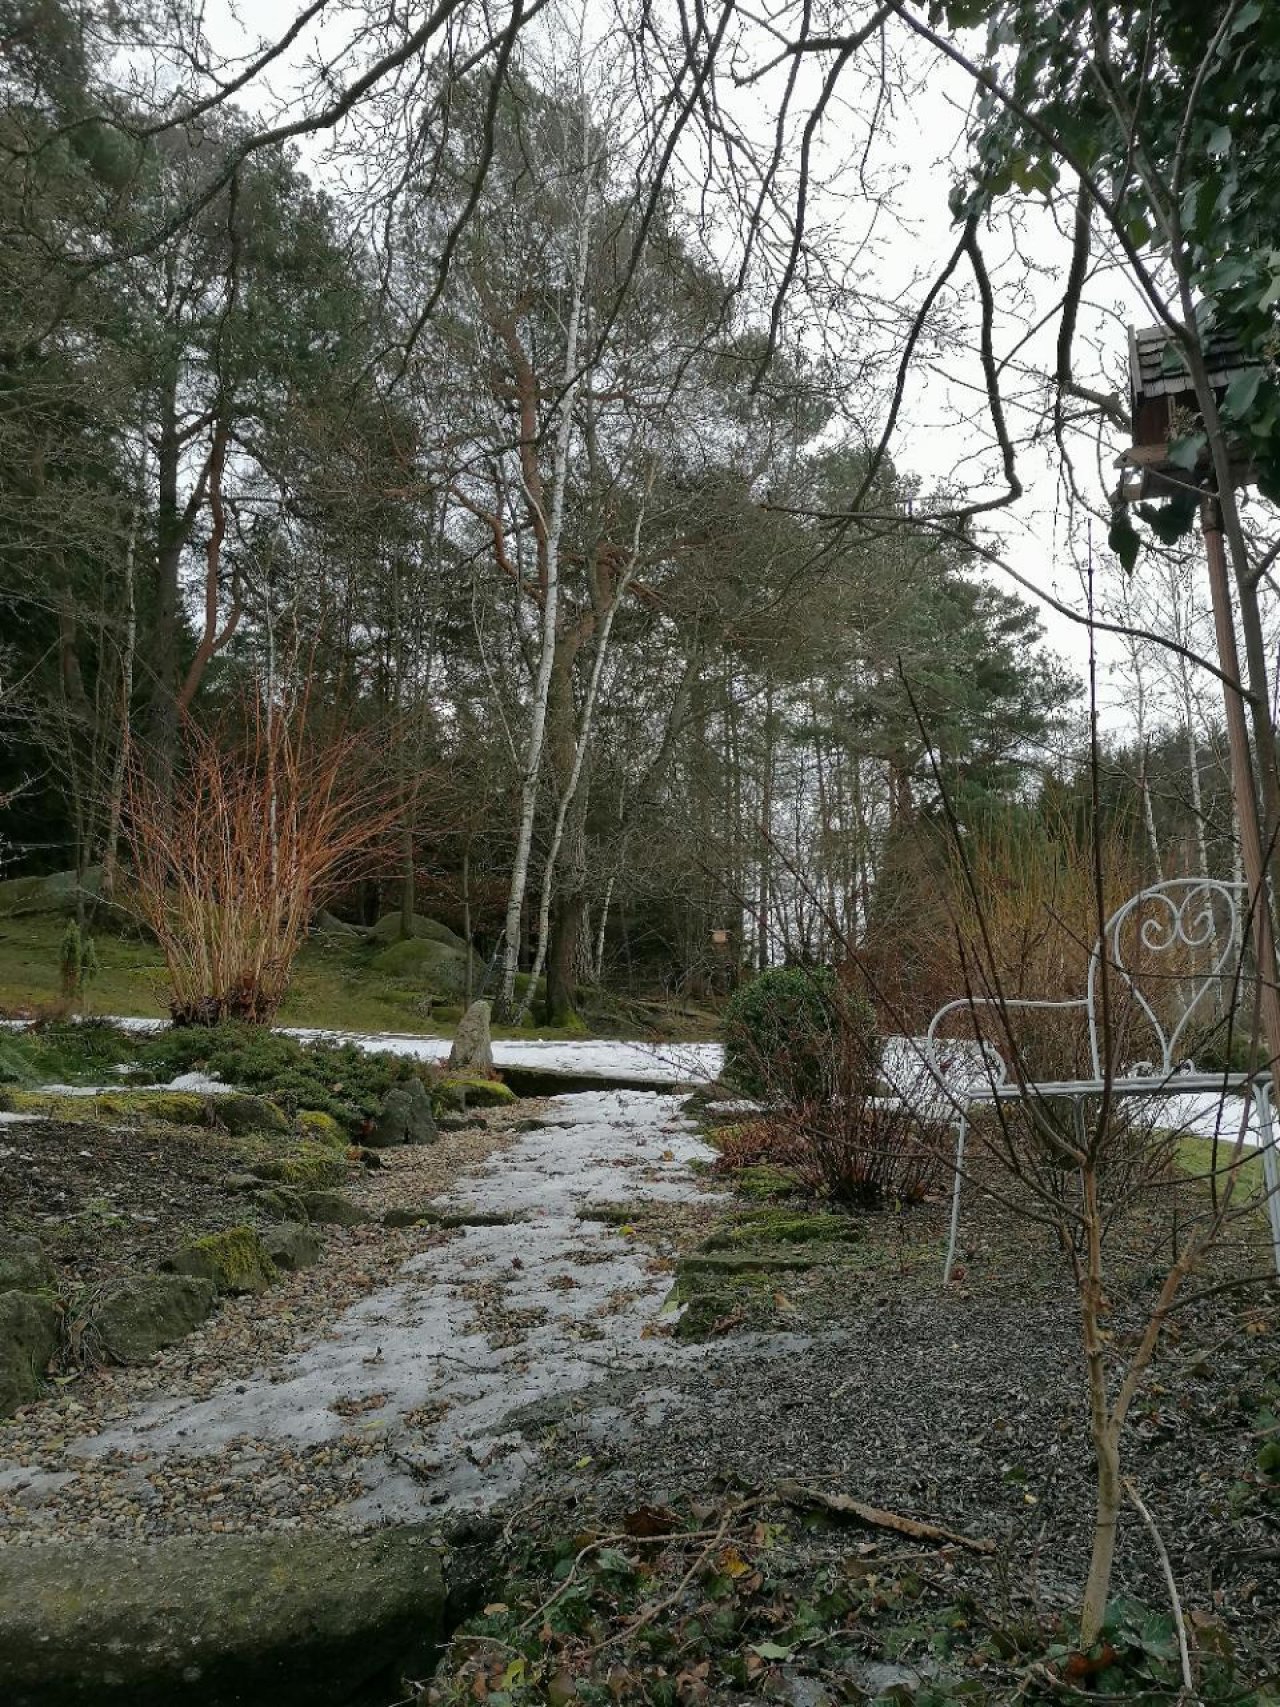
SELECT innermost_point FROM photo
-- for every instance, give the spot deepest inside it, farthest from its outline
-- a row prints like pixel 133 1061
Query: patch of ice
pixel 691 1063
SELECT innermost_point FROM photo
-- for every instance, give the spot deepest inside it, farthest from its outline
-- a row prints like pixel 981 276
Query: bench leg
pixel 1270 1167
pixel 962 1127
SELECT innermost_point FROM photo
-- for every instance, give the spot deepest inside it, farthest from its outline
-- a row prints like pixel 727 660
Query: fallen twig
pixel 1188 1683
pixel 794 1493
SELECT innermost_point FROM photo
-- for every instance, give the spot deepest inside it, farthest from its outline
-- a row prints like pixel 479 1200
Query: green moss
pixel 234 1259
pixel 763 1183
pixel 477 1093
pixel 763 1227
pixel 614 1214
pixel 321 1128
pixel 308 1164
pixel 240 1114
pixel 172 1108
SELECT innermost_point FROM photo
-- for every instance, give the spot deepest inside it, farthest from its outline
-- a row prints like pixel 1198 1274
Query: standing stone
pixel 472 1050
pixel 405 1117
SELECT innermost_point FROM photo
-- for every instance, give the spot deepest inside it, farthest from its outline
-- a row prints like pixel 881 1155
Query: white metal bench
pixel 1172 956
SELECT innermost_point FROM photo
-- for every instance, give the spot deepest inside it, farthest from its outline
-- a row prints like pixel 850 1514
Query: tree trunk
pixel 1106 1517
pixel 162 646
pixel 550 552
pixel 115 801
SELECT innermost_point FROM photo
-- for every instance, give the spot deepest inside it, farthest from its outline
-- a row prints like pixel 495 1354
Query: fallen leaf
pixel 648 1520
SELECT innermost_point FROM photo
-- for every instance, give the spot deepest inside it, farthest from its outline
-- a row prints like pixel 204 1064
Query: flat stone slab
pixel 217 1620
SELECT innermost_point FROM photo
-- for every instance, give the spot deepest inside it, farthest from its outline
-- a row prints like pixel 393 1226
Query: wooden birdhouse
pixel 1163 410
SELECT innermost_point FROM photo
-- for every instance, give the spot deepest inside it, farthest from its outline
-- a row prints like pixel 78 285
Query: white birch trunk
pixel 572 379
pixel 575 774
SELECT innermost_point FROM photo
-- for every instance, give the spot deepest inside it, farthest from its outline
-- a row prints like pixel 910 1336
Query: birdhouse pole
pixel 1161 391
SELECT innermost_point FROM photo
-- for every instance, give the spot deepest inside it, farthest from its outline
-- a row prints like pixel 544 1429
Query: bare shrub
pixel 870 1153
pixel 232 857
pixel 771 1142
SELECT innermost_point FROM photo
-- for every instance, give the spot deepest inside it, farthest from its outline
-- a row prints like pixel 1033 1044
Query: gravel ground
pixel 963 1408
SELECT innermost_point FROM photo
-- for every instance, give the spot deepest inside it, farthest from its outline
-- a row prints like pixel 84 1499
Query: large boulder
pixel 52 892
pixel 219 1620
pixel 235 1260
pixel 472 1050
pixel 437 968
pixel 137 1317
pixel 389 928
pixel 24 1267
pixel 28 1339
pixel 404 1118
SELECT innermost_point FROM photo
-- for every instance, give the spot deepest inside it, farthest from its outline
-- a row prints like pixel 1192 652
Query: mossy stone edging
pixel 216 1620
pixel 235 1260
pixel 138 1316
pixel 28 1339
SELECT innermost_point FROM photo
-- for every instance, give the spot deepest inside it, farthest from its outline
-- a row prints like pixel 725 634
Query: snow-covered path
pixel 498 1318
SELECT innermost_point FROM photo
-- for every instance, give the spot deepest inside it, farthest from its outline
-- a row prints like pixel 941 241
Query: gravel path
pixel 373 1386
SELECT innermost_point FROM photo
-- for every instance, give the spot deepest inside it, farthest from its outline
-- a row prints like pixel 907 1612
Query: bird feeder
pixel 1163 409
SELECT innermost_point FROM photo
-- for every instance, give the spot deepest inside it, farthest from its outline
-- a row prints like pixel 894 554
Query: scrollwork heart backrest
pixel 1169 957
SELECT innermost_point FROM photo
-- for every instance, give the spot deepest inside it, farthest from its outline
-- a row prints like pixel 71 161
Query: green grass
pixel 335 987
pixel 1195 1157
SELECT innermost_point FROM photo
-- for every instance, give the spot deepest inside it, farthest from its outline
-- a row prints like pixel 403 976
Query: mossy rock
pixel 53 892
pixel 479 1093
pixel 714 1262
pixel 437 967
pixel 321 1128
pixel 404 1118
pixel 235 1260
pixel 278 1202
pixel 171 1108
pixel 240 1114
pixel 136 1317
pixel 25 1265
pixel 422 929
pixel 28 1339
pixel 779 1227
pixel 272 1620
pixel 292 1245
pixel 448 1097
pixel 306 1165
pixel 332 1209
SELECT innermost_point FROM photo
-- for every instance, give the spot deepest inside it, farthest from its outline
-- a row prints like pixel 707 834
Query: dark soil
pixel 104 1200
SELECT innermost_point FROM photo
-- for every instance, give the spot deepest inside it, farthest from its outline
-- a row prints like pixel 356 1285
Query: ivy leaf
pixel 1185 452
pixel 1123 540
pixel 1241 393
pixel 771 1650
pixel 1172 521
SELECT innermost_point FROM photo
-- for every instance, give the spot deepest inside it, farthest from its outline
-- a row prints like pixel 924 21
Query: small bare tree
pixel 231 861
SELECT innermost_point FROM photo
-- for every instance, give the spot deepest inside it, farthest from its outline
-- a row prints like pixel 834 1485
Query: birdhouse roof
pixel 1157 367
